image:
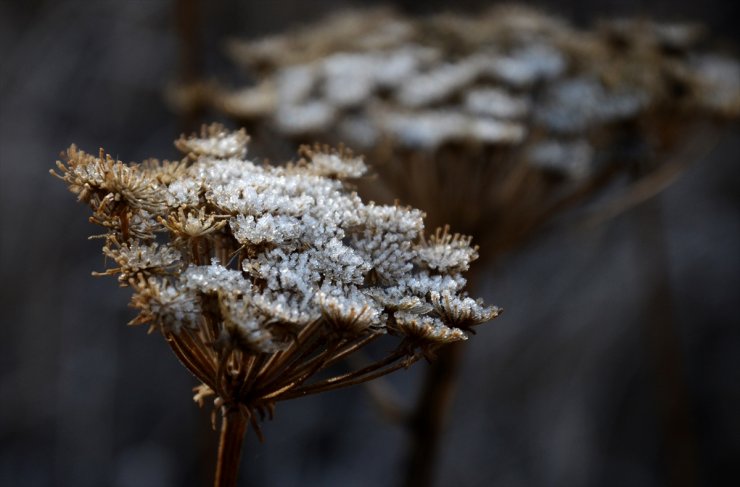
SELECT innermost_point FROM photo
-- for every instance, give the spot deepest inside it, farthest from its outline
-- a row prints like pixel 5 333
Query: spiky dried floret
pixel 191 224
pixel 426 328
pixel 139 225
pixel 165 172
pixel 104 182
pixel 164 306
pixel 461 312
pixel 214 141
pixel 392 302
pixel 445 252
pixel 349 314
pixel 83 173
pixel 135 258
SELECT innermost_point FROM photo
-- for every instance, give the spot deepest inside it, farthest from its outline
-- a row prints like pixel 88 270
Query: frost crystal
pixel 270 274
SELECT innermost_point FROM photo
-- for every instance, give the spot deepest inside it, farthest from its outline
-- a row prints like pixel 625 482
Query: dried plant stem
pixel 428 419
pixel 371 372
pixel 233 427
pixel 187 18
pixel 673 397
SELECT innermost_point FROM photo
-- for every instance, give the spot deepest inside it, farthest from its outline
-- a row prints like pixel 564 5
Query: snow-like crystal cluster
pixel 264 251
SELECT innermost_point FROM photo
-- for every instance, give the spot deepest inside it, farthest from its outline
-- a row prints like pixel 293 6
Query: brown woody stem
pixel 233 427
pixel 427 421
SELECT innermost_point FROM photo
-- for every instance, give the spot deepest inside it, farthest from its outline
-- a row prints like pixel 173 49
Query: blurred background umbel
pixel 562 390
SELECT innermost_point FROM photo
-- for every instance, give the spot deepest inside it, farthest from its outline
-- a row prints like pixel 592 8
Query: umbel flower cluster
pixel 510 75
pixel 525 111
pixel 262 277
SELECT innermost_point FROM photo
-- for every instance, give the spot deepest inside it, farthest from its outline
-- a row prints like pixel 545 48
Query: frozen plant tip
pixel 262 277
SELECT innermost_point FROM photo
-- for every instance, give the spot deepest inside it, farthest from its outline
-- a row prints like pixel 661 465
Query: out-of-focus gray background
pixel 566 389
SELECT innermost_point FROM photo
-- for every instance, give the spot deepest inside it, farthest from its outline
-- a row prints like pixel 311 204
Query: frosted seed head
pixel 164 172
pixel 164 306
pixel 107 184
pixel 461 312
pixel 136 258
pixel 192 224
pixel 426 329
pixel 351 315
pixel 445 252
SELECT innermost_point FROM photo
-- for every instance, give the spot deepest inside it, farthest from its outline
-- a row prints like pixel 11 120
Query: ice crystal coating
pixel 261 275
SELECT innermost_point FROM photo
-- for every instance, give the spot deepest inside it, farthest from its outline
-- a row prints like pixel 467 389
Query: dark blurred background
pixel 566 389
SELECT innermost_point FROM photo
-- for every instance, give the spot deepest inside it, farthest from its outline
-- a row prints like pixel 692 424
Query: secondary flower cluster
pixel 530 115
pixel 262 276
pixel 509 76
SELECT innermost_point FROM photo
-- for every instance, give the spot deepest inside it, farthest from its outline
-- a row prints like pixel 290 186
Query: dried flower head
pixel 272 274
pixel 523 110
